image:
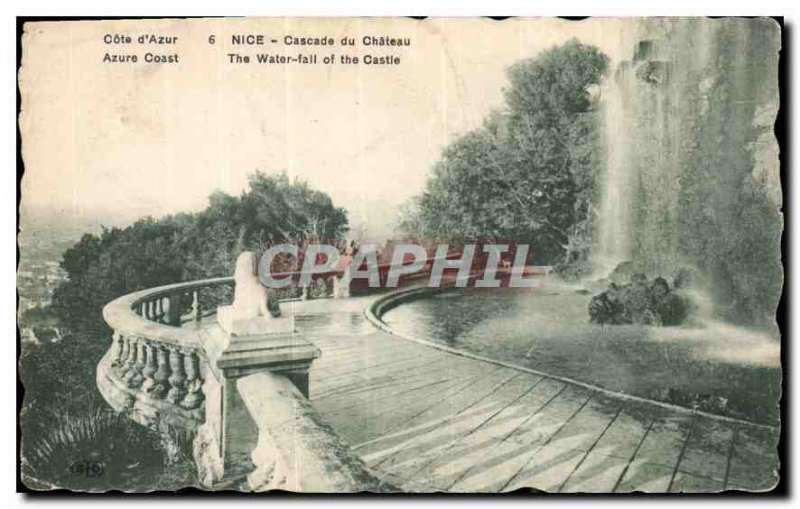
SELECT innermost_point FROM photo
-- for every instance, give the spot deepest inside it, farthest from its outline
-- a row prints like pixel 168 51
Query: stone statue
pixel 255 309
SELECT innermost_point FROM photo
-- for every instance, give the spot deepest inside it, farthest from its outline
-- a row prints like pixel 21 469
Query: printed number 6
pixel 211 39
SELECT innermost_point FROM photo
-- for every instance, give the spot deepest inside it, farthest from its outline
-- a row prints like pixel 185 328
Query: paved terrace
pixel 427 420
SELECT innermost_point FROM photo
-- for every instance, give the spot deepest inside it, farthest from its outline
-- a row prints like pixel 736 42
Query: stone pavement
pixel 428 420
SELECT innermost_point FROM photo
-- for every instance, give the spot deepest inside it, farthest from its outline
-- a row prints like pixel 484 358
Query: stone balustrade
pixel 170 366
pixel 295 450
pixel 155 369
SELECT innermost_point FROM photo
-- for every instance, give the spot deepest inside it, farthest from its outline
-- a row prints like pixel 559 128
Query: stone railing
pixel 295 450
pixel 178 303
pixel 169 365
pixel 155 369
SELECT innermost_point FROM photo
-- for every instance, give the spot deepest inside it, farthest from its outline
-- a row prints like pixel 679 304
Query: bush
pixel 100 451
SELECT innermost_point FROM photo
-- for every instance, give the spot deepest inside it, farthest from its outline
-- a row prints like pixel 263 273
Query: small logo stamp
pixel 87 468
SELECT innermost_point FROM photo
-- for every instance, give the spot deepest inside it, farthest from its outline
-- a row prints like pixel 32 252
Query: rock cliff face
pixel 692 175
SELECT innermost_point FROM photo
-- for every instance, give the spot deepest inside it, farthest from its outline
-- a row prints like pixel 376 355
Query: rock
pixel 606 308
pixel 671 309
pixel 640 302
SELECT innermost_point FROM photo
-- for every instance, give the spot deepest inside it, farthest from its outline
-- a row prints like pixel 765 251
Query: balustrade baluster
pixel 119 365
pixel 130 361
pixel 194 383
pixel 149 366
pixel 127 371
pixel 161 376
pixel 174 310
pixel 116 341
pixel 134 376
pixel 177 378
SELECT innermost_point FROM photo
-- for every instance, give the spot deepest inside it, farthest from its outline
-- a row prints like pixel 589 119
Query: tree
pixel 182 247
pixel 63 412
pixel 527 175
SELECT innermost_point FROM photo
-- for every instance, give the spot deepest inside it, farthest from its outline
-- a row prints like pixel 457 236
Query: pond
pixel 711 365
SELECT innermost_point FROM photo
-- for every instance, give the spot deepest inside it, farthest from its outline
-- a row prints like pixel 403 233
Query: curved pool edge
pixel 375 311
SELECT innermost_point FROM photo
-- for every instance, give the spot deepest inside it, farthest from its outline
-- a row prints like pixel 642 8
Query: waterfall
pixel 691 171
pixel 615 224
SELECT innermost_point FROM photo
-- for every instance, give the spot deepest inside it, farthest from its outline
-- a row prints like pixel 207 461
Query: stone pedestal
pixel 246 340
pixel 229 435
pixel 256 339
pixel 281 350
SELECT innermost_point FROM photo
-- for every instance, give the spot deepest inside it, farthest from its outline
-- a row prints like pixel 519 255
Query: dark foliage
pixel 528 173
pixel 184 247
pixel 71 437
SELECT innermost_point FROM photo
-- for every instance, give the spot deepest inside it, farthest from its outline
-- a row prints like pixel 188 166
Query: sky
pixel 107 140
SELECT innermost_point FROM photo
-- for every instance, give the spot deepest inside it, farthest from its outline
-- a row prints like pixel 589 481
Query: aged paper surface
pixel 397 255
